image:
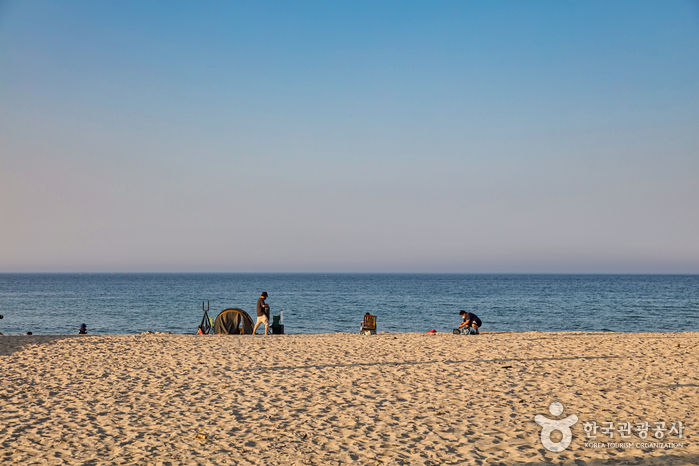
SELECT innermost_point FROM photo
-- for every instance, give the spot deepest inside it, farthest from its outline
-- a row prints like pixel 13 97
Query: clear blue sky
pixel 349 136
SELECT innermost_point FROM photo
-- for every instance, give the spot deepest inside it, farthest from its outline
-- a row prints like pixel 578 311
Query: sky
pixel 381 136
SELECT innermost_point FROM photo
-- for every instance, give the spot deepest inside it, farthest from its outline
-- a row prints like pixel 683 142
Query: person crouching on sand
pixel 262 314
pixel 469 321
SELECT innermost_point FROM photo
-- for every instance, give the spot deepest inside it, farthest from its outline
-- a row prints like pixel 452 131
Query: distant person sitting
pixel 262 314
pixel 470 323
pixel 83 330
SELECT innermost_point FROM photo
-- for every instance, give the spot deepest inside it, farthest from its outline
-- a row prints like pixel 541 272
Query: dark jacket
pixel 262 308
pixel 471 317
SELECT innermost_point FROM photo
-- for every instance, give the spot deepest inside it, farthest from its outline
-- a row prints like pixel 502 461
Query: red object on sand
pixel 431 331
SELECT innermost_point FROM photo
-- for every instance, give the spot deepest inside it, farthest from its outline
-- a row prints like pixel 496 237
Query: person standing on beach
pixel 262 313
pixel 469 319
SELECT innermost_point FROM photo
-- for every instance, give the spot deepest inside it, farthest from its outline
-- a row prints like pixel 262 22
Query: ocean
pixel 320 303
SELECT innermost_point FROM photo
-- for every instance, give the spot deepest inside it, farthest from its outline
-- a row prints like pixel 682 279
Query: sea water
pixel 320 303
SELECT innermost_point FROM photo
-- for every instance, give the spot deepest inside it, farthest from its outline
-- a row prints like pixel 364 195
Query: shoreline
pixel 343 398
pixel 381 333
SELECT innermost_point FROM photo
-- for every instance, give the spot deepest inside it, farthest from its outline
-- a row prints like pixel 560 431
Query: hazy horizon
pixel 448 137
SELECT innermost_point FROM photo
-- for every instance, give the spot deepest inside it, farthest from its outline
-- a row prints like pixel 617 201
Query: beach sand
pixel 342 398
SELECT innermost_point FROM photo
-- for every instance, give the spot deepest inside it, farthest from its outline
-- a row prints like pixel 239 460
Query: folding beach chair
pixel 368 325
pixel 277 325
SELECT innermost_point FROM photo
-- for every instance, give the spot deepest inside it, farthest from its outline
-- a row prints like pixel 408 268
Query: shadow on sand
pixel 12 343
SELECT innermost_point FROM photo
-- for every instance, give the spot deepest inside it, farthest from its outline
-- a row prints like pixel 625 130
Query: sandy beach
pixel 347 399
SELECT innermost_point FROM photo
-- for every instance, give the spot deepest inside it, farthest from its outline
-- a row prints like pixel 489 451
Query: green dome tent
pixel 229 321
